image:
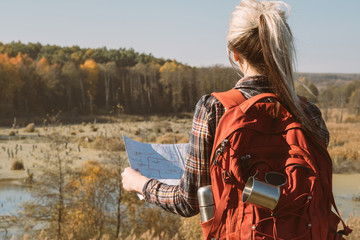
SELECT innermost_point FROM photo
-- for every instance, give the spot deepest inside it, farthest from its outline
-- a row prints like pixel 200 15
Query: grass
pixel 30 128
pixel 344 146
pixel 354 223
pixel 102 143
pixel 17 165
pixel 344 141
pixel 171 138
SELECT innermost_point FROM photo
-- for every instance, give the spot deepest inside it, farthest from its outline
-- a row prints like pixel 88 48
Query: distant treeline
pixel 338 93
pixel 39 79
pixel 322 80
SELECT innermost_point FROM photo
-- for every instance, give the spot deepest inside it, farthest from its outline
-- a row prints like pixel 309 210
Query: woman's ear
pixel 236 56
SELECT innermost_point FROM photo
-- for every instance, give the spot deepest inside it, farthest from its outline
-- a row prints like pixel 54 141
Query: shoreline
pixel 13 175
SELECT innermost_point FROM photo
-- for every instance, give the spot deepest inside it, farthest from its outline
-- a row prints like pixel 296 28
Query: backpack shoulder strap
pixel 230 98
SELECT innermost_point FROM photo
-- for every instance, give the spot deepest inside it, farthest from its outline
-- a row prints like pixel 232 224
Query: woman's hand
pixel 133 180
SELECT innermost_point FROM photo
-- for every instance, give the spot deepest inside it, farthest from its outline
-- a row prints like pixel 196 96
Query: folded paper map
pixel 164 162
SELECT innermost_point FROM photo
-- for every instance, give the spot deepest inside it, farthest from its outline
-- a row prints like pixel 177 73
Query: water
pixel 12 195
pixel 345 186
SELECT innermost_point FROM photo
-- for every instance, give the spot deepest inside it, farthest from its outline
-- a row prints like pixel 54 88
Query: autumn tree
pixel 12 82
pixel 51 79
pixel 108 72
pixel 30 93
pixel 153 88
pixel 72 76
pixel 354 102
pixel 215 78
pixel 167 75
pixel 176 80
pixel 340 99
pixel 144 86
pixel 325 98
pixel 116 162
pixel 91 70
pixel 93 201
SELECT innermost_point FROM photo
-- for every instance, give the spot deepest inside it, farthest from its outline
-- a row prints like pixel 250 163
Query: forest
pixel 36 79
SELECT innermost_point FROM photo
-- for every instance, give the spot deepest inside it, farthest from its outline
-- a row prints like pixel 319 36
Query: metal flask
pixel 261 193
pixel 206 203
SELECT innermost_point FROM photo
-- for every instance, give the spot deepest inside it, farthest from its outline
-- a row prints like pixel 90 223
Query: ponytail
pixel 259 32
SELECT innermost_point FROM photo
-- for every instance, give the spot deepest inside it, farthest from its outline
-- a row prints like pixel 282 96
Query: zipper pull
pixel 220 150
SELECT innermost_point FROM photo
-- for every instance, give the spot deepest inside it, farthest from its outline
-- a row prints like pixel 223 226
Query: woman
pixel 261 43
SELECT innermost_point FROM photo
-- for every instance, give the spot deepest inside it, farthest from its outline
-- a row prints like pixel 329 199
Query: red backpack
pixel 253 140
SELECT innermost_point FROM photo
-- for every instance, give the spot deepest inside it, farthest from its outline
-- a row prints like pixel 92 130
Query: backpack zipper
pixel 220 150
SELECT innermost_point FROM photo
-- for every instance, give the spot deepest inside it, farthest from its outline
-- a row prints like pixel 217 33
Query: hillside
pixel 323 80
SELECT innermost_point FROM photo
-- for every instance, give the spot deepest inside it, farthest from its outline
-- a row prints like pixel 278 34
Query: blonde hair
pixel 259 33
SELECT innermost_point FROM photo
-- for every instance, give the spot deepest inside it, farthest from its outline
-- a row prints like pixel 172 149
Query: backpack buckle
pixel 227 177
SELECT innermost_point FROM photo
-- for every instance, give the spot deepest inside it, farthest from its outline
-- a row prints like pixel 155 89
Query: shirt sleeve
pixel 315 116
pixel 182 199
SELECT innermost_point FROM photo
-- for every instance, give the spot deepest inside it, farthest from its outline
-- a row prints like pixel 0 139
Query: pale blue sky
pixel 327 35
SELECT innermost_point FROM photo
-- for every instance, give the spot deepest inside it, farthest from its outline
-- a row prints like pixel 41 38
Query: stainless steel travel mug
pixel 206 203
pixel 261 194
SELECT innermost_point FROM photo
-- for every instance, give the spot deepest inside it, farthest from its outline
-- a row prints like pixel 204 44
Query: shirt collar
pixel 256 81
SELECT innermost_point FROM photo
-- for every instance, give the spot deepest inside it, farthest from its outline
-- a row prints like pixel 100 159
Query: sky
pixel 326 32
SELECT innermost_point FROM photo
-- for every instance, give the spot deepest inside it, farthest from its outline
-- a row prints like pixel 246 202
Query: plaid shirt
pixel 182 199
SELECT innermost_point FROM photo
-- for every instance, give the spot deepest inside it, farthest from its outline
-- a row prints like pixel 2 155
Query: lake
pixel 11 196
pixel 345 188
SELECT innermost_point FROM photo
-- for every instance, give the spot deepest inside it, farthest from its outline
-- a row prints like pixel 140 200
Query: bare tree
pixel 50 189
pixel 108 71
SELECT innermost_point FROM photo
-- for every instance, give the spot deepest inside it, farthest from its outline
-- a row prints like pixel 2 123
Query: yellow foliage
pixel 11 74
pixel 90 65
pixel 173 77
pixel 168 67
pixel 91 198
pixel 91 69
pixel 16 60
pixel 191 229
pixel 42 66
pixel 354 223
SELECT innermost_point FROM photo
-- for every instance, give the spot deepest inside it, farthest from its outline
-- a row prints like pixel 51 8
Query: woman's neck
pixel 247 69
pixel 251 72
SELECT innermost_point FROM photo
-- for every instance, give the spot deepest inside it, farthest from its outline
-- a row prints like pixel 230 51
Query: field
pixel 87 140
pixel 25 148
pixel 344 141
